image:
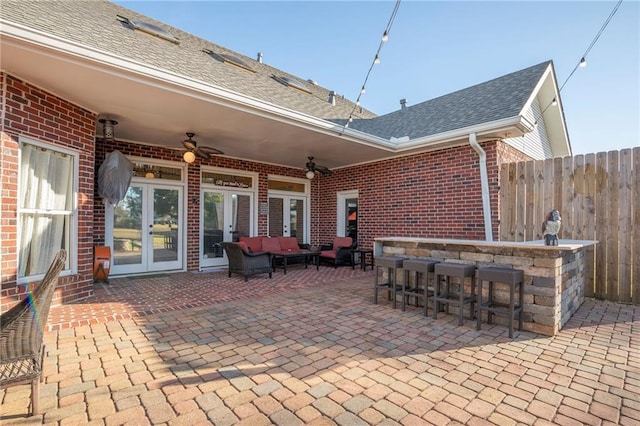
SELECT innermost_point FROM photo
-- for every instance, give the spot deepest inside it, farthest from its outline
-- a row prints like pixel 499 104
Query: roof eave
pixel 498 129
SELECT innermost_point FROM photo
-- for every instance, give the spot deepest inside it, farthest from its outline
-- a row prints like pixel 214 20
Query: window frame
pixel 71 268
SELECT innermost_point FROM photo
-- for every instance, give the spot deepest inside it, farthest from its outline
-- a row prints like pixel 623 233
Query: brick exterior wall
pixel 193 187
pixel 430 195
pixel 433 195
pixel 30 111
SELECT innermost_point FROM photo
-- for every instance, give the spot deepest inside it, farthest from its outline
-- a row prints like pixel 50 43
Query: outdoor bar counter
pixel 554 276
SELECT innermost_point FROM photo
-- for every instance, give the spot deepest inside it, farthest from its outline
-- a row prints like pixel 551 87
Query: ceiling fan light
pixel 189 157
pixel 310 174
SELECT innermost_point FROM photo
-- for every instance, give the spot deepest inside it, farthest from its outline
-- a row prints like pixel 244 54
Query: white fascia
pixel 518 124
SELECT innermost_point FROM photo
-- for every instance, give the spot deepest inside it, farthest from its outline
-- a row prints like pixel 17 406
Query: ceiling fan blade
pixel 210 150
pixel 323 170
pixel 189 144
pixel 200 153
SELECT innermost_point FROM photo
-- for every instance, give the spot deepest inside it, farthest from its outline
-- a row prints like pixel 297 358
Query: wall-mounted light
pixel 108 128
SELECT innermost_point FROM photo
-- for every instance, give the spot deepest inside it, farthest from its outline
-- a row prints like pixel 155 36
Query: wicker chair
pixel 245 263
pixel 21 334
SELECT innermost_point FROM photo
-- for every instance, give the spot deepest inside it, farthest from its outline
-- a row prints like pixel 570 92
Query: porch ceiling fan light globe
pixel 310 174
pixel 189 157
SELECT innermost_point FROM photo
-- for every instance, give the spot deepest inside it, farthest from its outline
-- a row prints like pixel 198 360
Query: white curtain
pixel 46 196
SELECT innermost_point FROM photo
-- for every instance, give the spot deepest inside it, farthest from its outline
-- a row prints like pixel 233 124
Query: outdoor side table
pixel 365 257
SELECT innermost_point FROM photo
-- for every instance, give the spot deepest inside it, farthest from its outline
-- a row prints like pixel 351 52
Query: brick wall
pixel 435 194
pixel 29 111
pixel 193 189
pixel 430 195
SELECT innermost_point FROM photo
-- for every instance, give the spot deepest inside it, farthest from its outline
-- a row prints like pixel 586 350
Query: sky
pixel 438 47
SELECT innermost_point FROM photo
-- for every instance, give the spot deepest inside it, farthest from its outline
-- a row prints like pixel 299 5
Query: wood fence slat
pixel 521 201
pixel 579 205
pixel 568 198
pixel 602 215
pixel 548 203
pixel 539 211
pixel 507 202
pixel 530 205
pixel 624 228
pixel 613 193
pixel 589 228
pixel 635 279
pixel 557 188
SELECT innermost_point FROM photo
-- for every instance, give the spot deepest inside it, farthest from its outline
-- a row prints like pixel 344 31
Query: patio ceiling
pixel 157 108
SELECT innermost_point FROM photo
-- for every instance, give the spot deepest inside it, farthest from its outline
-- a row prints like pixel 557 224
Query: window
pixel 228 59
pixel 149 28
pixel 46 220
pixel 291 82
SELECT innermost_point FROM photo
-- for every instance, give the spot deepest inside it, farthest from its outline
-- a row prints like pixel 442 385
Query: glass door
pixel 146 229
pixel 287 217
pixel 225 216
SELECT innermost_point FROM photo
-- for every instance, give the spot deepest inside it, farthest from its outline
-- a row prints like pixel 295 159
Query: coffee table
pixel 309 255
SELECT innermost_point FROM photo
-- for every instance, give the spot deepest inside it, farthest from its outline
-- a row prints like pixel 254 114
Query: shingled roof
pixel 500 98
pixel 96 24
pixel 103 35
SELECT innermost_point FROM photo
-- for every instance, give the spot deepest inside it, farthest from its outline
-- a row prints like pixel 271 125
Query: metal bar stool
pixel 460 271
pixel 391 264
pixel 422 268
pixel 511 277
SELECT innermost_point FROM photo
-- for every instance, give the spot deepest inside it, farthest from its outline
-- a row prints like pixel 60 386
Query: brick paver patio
pixel 311 348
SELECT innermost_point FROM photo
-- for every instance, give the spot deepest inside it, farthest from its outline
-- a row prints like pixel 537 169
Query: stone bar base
pixel 554 276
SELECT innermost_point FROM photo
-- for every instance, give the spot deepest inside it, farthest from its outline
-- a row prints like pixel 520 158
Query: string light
pixel 583 59
pixel 376 60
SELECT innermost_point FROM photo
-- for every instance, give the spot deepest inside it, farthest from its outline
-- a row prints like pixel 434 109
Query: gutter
pixel 484 182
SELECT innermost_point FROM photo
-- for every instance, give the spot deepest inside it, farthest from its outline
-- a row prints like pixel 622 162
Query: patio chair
pixel 242 262
pixel 338 252
pixel 21 334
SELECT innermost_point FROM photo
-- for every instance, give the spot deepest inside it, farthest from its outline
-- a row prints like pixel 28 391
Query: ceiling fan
pixel 193 150
pixel 311 167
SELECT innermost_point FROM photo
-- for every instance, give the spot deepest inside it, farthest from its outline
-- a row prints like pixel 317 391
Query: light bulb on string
pixel 385 37
pixel 376 60
pixel 363 90
pixel 583 63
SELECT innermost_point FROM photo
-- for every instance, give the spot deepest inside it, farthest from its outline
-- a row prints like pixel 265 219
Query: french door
pixel 225 216
pixel 146 229
pixel 288 217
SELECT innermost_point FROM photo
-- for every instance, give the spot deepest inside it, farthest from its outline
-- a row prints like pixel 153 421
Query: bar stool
pixel 511 277
pixel 391 264
pixel 422 268
pixel 460 271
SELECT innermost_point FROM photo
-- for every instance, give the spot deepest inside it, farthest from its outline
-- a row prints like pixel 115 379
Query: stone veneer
pixel 554 276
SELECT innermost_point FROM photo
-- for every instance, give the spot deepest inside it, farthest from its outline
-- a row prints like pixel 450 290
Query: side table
pixel 365 258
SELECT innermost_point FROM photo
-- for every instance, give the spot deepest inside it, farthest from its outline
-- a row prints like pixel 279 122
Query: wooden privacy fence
pixel 598 196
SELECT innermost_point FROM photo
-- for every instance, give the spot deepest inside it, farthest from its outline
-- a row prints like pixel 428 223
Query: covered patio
pixel 311 348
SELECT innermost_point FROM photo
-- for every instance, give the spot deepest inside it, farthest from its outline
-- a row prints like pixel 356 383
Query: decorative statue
pixel 551 227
